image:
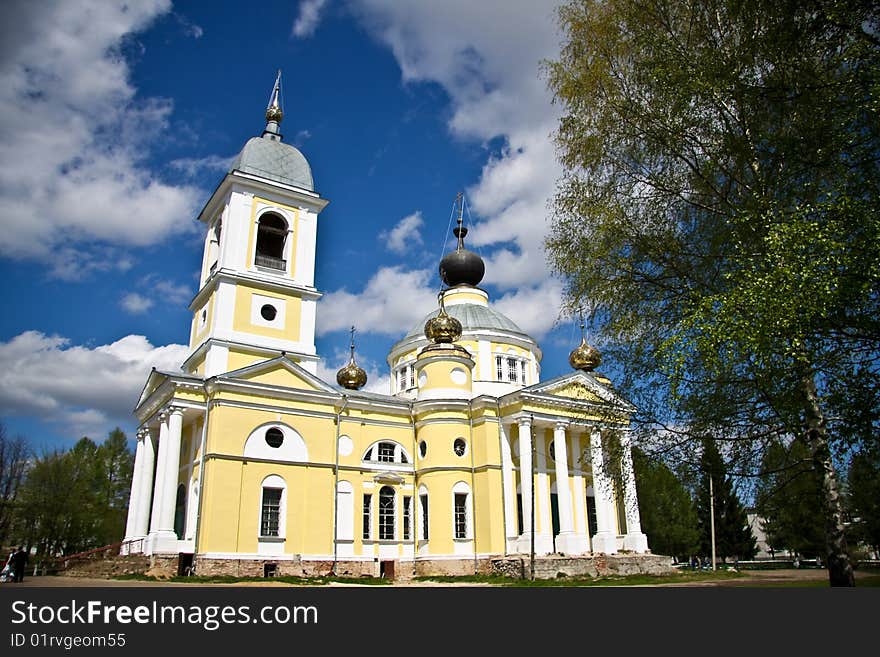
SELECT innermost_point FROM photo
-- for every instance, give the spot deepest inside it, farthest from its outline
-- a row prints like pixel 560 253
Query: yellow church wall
pixel 489 523
pixel 241 319
pixel 197 334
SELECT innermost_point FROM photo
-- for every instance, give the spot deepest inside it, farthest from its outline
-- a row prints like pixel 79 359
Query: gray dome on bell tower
pixel 267 156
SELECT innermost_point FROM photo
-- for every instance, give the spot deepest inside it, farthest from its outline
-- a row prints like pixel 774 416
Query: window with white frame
pixel 271 242
pixel 499 368
pixel 386 451
pixel 423 502
pixel 386 513
pixel 512 370
pixel 407 517
pixel 270 516
pixel 406 377
pixel 368 516
pixel 461 511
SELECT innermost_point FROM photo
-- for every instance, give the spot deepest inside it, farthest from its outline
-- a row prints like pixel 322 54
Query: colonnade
pixel 573 535
pixel 154 484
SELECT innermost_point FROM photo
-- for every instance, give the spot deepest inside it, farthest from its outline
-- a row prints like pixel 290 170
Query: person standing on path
pixel 19 561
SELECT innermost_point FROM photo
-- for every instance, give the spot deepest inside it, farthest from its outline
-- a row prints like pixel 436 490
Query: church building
pixel 248 463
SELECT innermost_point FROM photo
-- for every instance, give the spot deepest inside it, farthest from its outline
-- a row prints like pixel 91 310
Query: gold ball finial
pixel 443 328
pixel 274 114
pixel 351 376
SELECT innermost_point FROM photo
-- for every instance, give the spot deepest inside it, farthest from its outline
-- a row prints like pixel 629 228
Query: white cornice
pixel 259 280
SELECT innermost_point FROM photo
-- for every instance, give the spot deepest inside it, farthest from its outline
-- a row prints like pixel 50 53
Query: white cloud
pixel 393 300
pixel 73 136
pixel 78 386
pixel 309 16
pixel 193 166
pixel 534 309
pixel 487 57
pixel 135 303
pixel 405 235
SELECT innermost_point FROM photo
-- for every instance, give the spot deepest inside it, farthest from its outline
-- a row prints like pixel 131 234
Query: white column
pixel 142 517
pixel 172 471
pixel 634 540
pixel 579 501
pixel 544 538
pixel 605 539
pixel 135 493
pixel 525 480
pixel 567 541
pixel 162 536
pixel 158 483
pixel 507 481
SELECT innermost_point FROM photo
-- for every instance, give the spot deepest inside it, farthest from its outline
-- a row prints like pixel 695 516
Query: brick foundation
pixel 600 565
pixel 108 566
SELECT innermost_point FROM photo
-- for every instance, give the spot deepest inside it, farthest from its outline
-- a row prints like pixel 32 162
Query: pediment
pixel 281 372
pixel 580 386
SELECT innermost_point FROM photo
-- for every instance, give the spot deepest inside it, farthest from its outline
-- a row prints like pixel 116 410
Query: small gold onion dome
pixel 351 376
pixel 443 328
pixel 585 357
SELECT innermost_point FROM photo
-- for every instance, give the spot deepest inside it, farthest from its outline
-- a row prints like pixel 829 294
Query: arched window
pixel 386 513
pixel 272 508
pixel 386 451
pixel 461 512
pixel 271 237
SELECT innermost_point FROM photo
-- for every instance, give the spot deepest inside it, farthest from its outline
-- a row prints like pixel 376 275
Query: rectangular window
pixel 412 376
pixel 368 504
pixel 499 372
pixel 511 370
pixel 386 452
pixel 401 378
pixel 407 509
pixel 522 371
pixel 386 516
pixel 270 516
pixel 424 501
pixel 461 515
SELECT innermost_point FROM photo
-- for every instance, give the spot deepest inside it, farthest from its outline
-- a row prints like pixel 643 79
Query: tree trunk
pixel 840 572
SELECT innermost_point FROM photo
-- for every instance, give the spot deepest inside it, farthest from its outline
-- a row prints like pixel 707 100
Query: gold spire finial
pixel 273 110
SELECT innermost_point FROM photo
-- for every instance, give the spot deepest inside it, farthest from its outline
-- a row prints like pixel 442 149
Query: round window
pixel 423 448
pixel 459 446
pixel 268 312
pixel 274 437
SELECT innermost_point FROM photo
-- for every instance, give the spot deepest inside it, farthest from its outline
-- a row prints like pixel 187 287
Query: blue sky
pixel 117 122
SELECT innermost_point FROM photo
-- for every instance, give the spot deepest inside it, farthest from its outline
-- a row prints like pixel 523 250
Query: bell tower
pixel 257 294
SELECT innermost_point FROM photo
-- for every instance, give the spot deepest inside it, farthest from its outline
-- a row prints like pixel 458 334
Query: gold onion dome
pixel 351 376
pixel 443 328
pixel 585 357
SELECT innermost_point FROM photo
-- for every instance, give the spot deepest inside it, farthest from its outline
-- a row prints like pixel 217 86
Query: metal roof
pixel 275 160
pixel 472 317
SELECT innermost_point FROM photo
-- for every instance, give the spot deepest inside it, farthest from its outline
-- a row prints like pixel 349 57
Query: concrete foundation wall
pixel 600 565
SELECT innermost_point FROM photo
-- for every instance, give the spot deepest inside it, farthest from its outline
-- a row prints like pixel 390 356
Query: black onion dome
pixel 461 267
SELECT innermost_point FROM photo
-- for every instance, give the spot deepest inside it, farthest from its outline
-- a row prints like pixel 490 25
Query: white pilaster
pixel 507 481
pixel 567 542
pixel 525 480
pixel 634 540
pixel 605 539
